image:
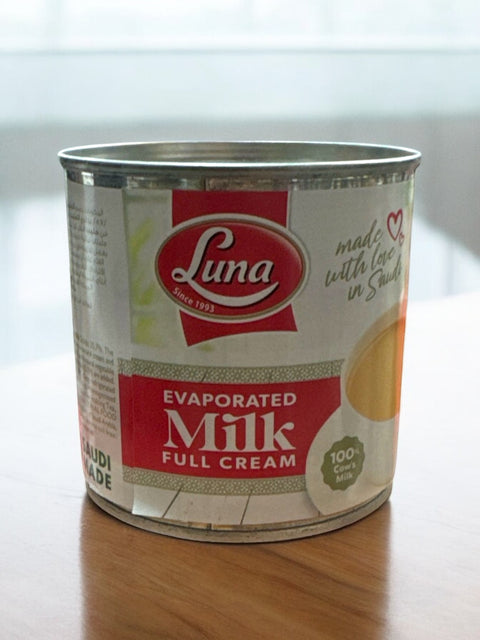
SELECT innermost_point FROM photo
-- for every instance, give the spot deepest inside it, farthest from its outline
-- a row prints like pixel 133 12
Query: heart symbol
pixel 394 223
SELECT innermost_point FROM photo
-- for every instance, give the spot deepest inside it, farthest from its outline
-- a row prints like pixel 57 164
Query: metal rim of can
pixel 260 533
pixel 242 165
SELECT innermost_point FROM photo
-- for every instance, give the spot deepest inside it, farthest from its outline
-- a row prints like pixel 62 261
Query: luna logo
pixel 225 271
pixel 231 268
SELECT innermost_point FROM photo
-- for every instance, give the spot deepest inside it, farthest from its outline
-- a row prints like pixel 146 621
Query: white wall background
pixel 111 70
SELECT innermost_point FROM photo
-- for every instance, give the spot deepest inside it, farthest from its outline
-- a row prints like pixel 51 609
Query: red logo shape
pixel 230 268
pixel 394 223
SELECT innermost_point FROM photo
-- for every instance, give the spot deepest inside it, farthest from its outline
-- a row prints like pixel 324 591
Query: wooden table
pixel 409 571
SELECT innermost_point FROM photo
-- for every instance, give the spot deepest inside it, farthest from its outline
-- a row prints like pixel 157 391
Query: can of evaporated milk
pixel 239 315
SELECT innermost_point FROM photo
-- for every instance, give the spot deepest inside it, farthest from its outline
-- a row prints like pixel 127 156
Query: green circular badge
pixel 343 463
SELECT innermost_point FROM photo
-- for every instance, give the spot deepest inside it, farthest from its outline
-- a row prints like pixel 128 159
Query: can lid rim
pixel 234 156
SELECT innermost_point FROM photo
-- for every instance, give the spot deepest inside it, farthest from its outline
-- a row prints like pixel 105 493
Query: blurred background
pixel 74 73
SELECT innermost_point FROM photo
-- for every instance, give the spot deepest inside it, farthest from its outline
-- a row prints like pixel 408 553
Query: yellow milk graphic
pixel 374 378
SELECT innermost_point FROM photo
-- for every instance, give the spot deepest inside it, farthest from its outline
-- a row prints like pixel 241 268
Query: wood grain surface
pixel 409 571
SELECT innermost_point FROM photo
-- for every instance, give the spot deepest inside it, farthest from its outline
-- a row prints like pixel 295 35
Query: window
pixel 112 70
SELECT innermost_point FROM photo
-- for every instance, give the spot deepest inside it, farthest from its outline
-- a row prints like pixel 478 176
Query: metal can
pixel 239 314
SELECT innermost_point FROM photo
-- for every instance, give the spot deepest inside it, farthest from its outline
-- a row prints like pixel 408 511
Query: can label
pixel 239 352
pixel 221 430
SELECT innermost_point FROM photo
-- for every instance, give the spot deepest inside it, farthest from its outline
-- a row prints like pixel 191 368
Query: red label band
pixel 271 205
pixel 222 431
pixel 232 270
